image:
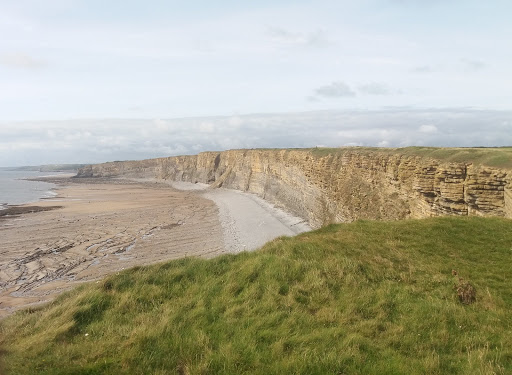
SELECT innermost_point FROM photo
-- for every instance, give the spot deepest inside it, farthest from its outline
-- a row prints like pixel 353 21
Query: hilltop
pixel 365 297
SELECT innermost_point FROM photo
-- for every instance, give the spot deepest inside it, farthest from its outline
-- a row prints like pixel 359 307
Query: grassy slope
pixel 365 297
pixel 500 157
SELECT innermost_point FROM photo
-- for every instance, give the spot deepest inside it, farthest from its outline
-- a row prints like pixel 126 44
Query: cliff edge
pixel 339 185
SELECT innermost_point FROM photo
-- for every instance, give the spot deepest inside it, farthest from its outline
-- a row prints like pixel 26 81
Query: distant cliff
pixel 325 186
pixel 47 168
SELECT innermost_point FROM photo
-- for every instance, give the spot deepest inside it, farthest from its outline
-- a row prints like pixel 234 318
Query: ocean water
pixel 15 190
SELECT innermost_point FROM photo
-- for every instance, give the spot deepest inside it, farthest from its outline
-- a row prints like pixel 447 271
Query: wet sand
pixel 104 226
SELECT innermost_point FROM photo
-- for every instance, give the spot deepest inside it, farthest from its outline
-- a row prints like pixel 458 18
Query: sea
pixel 14 189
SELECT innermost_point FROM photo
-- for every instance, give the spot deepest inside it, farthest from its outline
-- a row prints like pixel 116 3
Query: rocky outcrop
pixel 339 186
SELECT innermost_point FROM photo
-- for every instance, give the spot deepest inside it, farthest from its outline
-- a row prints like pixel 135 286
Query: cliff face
pixel 340 186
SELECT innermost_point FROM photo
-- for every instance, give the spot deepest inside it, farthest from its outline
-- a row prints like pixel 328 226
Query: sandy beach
pixel 96 227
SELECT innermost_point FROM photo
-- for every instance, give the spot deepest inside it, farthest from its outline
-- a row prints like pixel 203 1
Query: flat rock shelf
pixel 96 227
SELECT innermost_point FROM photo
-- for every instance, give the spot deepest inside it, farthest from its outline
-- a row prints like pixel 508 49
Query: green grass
pixel 359 298
pixel 500 157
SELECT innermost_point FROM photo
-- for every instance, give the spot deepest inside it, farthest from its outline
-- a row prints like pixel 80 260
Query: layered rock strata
pixel 345 185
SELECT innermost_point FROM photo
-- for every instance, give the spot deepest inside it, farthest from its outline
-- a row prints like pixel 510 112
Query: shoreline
pixel 13 211
pixel 242 212
pixel 96 227
pixel 49 193
pixel 101 228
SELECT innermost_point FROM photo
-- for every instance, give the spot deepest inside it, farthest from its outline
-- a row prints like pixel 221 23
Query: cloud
pixel 340 89
pixel 473 65
pixel 207 127
pixel 135 108
pixel 20 61
pixel 470 65
pixel 94 141
pixel 428 129
pixel 375 89
pixel 423 69
pixel 316 38
pixel 336 89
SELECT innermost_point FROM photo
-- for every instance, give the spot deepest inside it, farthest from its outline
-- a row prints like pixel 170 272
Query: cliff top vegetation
pixel 499 157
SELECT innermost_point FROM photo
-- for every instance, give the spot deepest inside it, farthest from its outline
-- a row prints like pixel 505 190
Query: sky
pixel 89 81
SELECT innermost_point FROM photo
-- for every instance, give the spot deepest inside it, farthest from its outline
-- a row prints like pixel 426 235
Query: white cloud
pixel 91 141
pixel 423 69
pixel 383 144
pixel 316 38
pixel 428 129
pixel 235 121
pixel 336 89
pixel 473 65
pixel 20 61
pixel 375 89
pixel 207 127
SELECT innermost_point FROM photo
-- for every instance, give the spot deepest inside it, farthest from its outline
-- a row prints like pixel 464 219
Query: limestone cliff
pixel 343 185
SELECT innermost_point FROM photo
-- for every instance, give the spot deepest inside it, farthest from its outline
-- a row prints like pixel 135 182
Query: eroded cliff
pixel 336 186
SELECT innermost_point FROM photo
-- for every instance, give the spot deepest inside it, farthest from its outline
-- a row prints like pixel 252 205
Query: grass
pixel 499 157
pixel 359 298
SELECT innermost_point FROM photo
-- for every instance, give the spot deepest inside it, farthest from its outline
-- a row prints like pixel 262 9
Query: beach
pixel 96 227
